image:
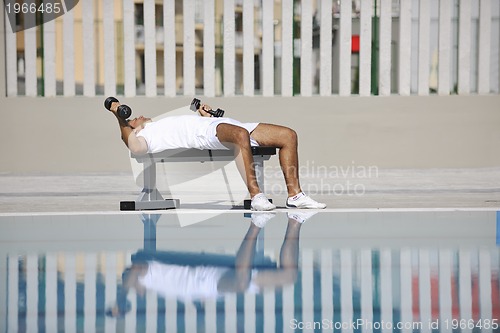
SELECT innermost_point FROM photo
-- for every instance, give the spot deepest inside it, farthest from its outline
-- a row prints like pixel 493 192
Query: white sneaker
pixel 300 216
pixel 303 201
pixel 260 219
pixel 261 203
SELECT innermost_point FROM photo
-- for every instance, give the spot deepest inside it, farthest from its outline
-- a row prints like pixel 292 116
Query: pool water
pixel 197 271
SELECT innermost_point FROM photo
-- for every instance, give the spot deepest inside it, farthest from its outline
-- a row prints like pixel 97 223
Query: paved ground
pixel 435 188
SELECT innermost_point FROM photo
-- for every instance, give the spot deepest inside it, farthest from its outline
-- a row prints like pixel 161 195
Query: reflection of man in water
pixel 203 282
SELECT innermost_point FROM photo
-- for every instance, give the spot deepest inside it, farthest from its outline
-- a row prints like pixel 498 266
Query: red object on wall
pixel 355 44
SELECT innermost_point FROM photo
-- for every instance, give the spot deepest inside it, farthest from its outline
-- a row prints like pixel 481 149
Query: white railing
pixel 414 50
pixel 361 281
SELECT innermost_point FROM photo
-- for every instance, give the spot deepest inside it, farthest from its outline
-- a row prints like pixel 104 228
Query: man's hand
pixel 114 107
pixel 114 110
pixel 203 110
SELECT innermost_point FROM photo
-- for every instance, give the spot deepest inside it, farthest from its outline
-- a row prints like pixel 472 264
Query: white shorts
pixel 211 141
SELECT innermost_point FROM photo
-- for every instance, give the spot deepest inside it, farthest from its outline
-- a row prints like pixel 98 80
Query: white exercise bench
pixel 151 199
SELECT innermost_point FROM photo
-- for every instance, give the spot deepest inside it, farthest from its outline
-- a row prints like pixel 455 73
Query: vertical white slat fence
pixel 307 269
pixel 385 59
pixel 423 47
pixel 90 303
pixel 129 71
pixel 110 288
pixel 268 48
pixel 326 264
pixel 484 47
pixel 386 283
pixel 288 307
pixel 151 312
pixel 32 293
pixel 405 287
pixel 325 44
pixel 49 58
pixel 465 285
pixel 109 49
pixel 51 311
pixel 464 47
pixel 424 286
pixel 306 48
pixel 169 49
pixel 366 288
pixel 404 53
pixel 365 52
pixel 229 84
pixel 346 300
pixel 131 321
pixel 69 88
pixel 11 64
pixel 150 48
pixel 210 316
pixel 13 296
pixel 230 322
pixel 485 290
pixel 84 74
pixel 89 58
pixel 69 293
pixel 189 59
pixel 445 292
pixel 287 48
pixel 269 298
pixel 248 48
pixel 30 67
pixel 208 48
pixel 269 310
pixel 444 48
pixel 354 273
pixel 249 312
pixel 345 48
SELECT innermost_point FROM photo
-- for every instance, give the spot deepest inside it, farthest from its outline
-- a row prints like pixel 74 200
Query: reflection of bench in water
pixel 150 221
pixel 197 259
pixel 151 198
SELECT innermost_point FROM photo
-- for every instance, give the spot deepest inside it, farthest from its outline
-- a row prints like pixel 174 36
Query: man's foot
pixel 303 201
pixel 261 203
pixel 300 216
pixel 260 219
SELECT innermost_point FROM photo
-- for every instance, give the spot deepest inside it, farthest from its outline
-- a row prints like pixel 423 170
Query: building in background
pixel 99 54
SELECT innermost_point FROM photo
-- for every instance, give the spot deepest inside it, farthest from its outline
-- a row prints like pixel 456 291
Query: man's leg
pixel 286 140
pixel 237 138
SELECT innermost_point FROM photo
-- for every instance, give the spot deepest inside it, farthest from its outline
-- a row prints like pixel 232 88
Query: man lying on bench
pixel 141 135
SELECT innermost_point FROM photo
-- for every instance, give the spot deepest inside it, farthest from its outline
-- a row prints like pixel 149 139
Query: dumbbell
pixel 123 111
pixel 196 103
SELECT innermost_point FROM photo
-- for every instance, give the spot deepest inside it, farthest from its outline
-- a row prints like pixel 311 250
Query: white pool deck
pixel 408 189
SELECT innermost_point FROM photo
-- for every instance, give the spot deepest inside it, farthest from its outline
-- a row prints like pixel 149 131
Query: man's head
pixel 138 121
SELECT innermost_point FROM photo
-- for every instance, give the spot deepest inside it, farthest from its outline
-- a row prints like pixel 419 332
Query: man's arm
pixel 203 110
pixel 137 145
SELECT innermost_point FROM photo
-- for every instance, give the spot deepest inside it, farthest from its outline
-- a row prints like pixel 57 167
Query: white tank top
pixel 188 131
pixel 175 132
pixel 183 282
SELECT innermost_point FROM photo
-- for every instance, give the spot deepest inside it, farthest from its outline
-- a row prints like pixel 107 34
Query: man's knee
pixel 292 136
pixel 241 136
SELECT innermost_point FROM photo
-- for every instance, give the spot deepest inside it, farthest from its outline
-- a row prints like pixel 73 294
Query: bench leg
pixel 150 197
pixel 150 221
